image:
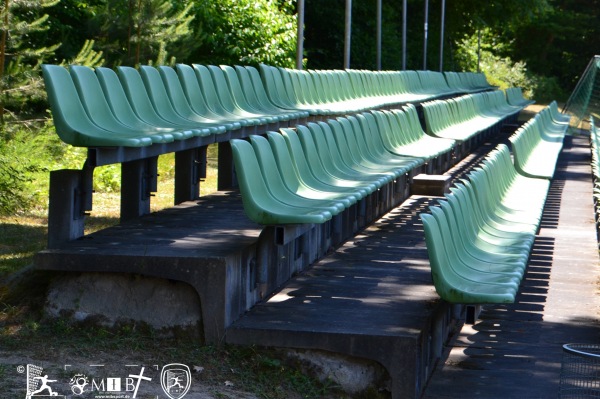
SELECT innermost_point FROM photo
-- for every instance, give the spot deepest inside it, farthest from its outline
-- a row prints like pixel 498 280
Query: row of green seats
pixel 467 82
pixel 136 108
pixel 537 144
pixel 462 118
pixel 514 96
pixel 479 238
pixel 316 171
pixel 335 92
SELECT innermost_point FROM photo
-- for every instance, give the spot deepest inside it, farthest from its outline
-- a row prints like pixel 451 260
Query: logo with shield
pixel 175 380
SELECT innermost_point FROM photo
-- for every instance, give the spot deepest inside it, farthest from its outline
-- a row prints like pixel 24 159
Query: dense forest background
pixel 540 45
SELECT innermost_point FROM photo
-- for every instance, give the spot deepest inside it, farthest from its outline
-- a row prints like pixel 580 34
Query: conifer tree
pixel 20 59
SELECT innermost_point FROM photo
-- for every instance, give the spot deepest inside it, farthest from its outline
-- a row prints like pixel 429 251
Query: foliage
pixel 560 42
pixel 141 32
pixel 473 54
pixel 246 31
pixel 18 168
pixel 21 56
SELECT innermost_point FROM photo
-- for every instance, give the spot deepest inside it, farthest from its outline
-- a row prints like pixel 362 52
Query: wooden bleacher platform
pixel 372 298
pixel 257 281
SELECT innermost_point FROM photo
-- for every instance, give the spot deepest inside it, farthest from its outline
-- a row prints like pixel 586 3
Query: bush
pixel 28 151
pixel 545 89
pixel 504 72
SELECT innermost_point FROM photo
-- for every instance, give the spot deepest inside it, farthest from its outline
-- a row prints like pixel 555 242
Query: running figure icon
pixel 44 386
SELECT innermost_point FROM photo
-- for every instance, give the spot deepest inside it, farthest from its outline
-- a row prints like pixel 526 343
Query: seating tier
pixel 480 237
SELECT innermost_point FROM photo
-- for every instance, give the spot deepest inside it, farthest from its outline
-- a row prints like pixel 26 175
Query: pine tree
pixel 20 60
pixel 142 31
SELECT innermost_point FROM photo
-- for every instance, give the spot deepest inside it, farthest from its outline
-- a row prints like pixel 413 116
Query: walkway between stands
pixel 515 351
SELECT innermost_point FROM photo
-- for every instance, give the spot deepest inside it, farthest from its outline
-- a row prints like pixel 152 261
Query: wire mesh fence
pixel 580 371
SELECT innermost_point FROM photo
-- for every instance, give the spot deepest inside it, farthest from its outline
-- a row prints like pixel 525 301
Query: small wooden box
pixel 434 185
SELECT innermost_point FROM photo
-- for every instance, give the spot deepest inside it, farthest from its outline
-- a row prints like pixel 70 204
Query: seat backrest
pixel 247 88
pixel 161 99
pixel 93 99
pixel 176 93
pixel 272 82
pixel 138 96
pixel 193 92
pixel 223 90
pixel 71 121
pixel 259 86
pixel 210 91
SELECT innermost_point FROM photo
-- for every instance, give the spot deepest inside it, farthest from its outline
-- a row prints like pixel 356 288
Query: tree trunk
pixel 2 60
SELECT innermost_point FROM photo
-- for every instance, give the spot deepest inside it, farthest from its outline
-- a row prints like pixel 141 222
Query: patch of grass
pixel 20 238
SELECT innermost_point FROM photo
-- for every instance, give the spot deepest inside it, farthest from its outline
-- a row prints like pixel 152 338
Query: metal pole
pixel 425 38
pixel 478 49
pixel 379 30
pixel 348 34
pixel 300 35
pixel 442 36
pixel 404 11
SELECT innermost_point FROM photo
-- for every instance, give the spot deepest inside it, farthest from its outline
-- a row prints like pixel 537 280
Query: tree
pixel 246 31
pixel 143 31
pixel 20 59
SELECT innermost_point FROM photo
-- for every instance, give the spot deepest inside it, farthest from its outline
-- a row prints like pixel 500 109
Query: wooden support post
pixel 226 179
pixel 138 182
pixel 70 198
pixel 190 167
pixel 473 312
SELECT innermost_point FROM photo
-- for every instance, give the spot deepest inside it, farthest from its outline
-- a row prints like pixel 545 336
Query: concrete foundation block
pixel 111 299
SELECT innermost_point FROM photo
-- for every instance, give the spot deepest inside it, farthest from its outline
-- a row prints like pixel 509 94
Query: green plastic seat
pixel 469 266
pixel 276 89
pixel 302 145
pixel 256 82
pixel 340 142
pixel 181 103
pixel 557 116
pixel 331 159
pixel 534 154
pixel 278 188
pixel 473 243
pixel 259 204
pixel 298 178
pixel 451 286
pixel 256 96
pixel 404 136
pixel 99 111
pixel 212 97
pixel 493 256
pixel 141 103
pixel 509 241
pixel 198 101
pixel 127 112
pixel 231 97
pixel 71 121
pixel 371 138
pixel 514 96
pixel 359 150
pixel 162 102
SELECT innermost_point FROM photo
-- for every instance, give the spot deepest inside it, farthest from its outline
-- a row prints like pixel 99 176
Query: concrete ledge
pixel 112 300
